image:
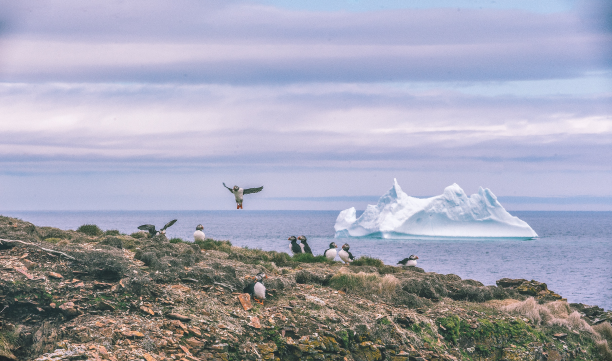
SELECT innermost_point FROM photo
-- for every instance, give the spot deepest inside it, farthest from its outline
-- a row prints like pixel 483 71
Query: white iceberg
pixel 452 214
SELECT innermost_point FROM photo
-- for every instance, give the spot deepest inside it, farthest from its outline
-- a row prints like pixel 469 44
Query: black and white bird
pixel 296 248
pixel 257 288
pixel 240 192
pixel 331 252
pixel 345 255
pixel 151 228
pixel 199 235
pixel 410 261
pixel 304 244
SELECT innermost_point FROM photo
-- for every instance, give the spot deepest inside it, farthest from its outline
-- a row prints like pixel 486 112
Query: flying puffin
pixel 240 192
pixel 304 245
pixel 199 235
pixel 345 255
pixel 331 252
pixel 152 231
pixel 257 288
pixel 296 248
pixel 410 261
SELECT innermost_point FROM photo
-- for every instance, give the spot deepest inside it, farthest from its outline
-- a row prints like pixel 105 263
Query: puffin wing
pixel 403 262
pixel 228 188
pixel 148 227
pixel 307 248
pixel 252 190
pixel 169 224
pixel 350 256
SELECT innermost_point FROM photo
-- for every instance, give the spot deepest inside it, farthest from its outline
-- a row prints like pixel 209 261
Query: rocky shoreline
pixel 93 295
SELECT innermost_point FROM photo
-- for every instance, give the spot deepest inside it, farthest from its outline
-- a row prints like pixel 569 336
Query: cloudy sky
pixel 153 104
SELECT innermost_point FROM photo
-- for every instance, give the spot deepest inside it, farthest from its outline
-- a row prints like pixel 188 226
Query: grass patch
pixel 52 240
pixel 176 240
pixel 90 230
pixel 139 235
pixel 517 332
pixel 210 244
pixel 308 258
pixel 368 261
pixel 365 283
pixel 112 232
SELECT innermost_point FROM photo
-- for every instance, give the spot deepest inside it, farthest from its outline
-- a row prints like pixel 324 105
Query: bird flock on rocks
pixel 299 245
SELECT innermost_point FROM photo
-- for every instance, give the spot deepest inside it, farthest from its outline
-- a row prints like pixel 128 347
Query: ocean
pixel 573 255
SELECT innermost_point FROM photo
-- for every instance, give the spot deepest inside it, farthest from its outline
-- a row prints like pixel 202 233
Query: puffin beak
pixel 417 257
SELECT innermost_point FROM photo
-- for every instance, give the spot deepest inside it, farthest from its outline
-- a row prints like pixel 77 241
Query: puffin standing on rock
pixel 296 248
pixel 257 288
pixel 199 235
pixel 345 255
pixel 240 192
pixel 304 245
pixel 331 252
pixel 410 261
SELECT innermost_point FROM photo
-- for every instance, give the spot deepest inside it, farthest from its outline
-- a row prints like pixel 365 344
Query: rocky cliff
pixel 93 295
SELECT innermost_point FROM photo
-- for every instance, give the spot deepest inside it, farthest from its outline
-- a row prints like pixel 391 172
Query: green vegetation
pixel 112 232
pixel 364 283
pixel 90 230
pixel 52 240
pixel 176 240
pixel 308 258
pixel 139 235
pixel 210 244
pixel 368 261
pixel 502 332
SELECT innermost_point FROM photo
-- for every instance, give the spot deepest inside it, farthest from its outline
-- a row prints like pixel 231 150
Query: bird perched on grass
pixel 151 228
pixel 199 235
pixel 296 248
pixel 304 245
pixel 240 192
pixel 345 255
pixel 256 288
pixel 410 261
pixel 331 252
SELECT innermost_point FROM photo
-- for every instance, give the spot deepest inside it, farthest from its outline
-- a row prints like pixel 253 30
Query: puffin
pixel 199 235
pixel 296 248
pixel 410 261
pixel 153 232
pixel 257 288
pixel 345 255
pixel 240 192
pixel 330 253
pixel 304 245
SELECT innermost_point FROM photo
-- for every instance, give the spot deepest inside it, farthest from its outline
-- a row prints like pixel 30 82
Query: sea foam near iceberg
pixel 451 214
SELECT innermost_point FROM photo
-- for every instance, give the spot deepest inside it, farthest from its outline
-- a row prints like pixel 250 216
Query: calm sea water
pixel 573 254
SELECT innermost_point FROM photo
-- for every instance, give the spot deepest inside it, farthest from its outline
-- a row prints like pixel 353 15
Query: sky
pixel 151 105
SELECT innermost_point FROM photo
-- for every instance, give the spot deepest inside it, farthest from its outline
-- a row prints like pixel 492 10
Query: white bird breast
pixel 199 235
pixel 411 263
pixel 344 256
pixel 330 254
pixel 259 291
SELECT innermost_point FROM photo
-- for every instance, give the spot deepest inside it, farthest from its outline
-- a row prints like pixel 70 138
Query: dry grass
pixel 364 282
pixel 559 313
pixel 604 330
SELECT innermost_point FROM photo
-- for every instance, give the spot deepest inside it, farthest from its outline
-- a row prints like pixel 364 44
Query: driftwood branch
pixel 52 251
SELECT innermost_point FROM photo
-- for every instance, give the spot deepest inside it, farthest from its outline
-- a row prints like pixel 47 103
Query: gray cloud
pixel 193 41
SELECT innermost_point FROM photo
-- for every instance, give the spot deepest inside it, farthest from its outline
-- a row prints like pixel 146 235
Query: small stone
pixel 147 310
pixel 24 272
pixel 148 357
pixel 560 335
pixel 55 275
pixel 221 347
pixel 194 343
pixel 132 334
pixel 255 322
pixel 245 300
pixel 176 316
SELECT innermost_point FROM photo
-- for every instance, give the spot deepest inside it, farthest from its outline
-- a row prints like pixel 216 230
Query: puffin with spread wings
pixel 151 228
pixel 240 192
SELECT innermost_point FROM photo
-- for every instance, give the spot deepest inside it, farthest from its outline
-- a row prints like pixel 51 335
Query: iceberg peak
pixel 452 214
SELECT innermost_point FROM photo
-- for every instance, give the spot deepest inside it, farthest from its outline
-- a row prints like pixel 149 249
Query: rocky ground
pixel 93 295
